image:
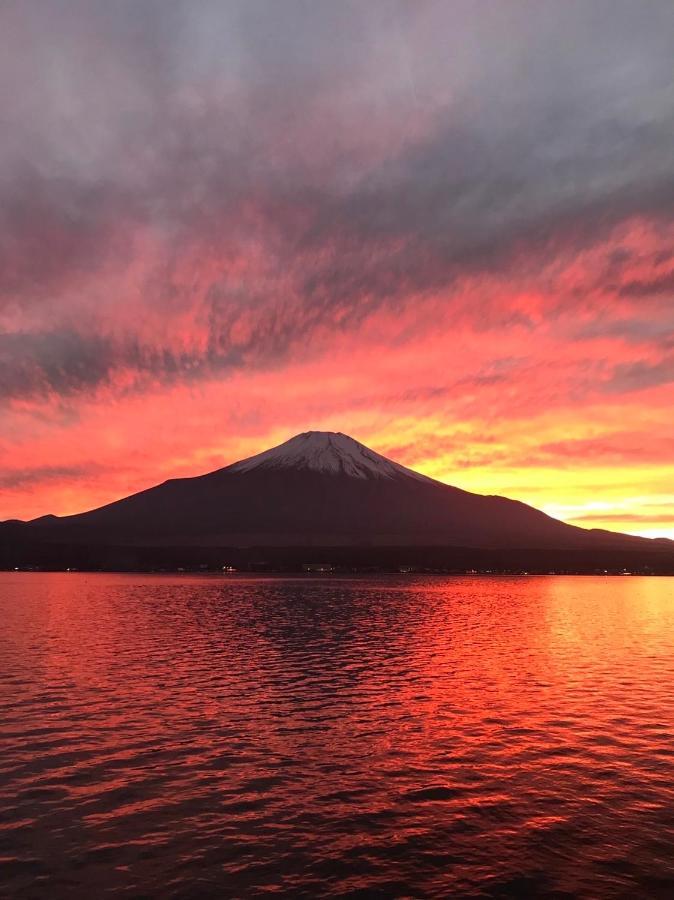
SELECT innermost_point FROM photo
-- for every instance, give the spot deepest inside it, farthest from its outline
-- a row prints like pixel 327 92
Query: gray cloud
pixel 661 284
pixel 20 478
pixel 641 375
pixel 363 152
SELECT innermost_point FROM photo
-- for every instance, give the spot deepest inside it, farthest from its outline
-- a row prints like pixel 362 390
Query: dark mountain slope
pixel 320 489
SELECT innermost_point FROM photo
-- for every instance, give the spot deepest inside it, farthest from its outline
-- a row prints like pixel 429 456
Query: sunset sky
pixel 444 228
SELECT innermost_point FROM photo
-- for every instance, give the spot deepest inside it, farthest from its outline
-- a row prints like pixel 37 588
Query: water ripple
pixel 391 737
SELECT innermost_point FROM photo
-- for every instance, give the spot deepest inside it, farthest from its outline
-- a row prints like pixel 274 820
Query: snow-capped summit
pixel 327 451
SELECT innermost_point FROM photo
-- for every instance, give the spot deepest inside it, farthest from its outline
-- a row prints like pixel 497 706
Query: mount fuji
pixel 320 489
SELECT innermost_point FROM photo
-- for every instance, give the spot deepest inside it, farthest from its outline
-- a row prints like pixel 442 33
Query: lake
pixel 179 736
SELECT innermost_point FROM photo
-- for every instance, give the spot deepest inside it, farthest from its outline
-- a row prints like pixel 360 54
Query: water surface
pixel 420 737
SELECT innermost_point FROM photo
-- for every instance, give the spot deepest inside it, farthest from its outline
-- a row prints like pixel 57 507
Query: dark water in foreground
pixel 205 737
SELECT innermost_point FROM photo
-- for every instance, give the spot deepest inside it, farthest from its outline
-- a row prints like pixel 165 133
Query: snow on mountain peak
pixel 330 452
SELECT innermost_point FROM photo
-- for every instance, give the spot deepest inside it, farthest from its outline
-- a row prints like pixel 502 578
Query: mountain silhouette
pixel 320 489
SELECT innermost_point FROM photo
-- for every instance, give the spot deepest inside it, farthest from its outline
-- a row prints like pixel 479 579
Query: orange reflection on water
pixel 416 735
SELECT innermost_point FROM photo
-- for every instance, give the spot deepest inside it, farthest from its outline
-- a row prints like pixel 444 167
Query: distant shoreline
pixel 337 573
